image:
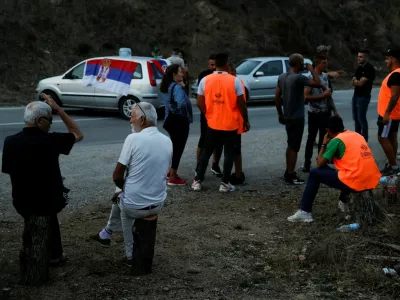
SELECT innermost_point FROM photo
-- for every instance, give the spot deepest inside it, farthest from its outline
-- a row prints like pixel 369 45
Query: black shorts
pixel 294 130
pixel 203 131
pixel 386 130
pixel 238 144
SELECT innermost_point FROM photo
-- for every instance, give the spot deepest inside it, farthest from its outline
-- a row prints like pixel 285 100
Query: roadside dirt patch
pixel 213 246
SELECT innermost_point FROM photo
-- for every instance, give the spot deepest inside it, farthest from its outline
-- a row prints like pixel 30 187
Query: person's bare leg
pixel 172 173
pixel 291 159
pixel 394 142
pixel 198 153
pixel 216 157
pixel 388 149
pixel 238 166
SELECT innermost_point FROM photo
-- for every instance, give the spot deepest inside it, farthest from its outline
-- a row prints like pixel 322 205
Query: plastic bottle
pixel 350 227
pixel 384 181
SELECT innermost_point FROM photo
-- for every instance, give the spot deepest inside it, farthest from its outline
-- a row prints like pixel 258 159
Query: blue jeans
pixel 360 108
pixel 326 176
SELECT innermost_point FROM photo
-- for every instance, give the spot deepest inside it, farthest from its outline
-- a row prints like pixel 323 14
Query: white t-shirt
pixel 238 85
pixel 176 60
pixel 147 156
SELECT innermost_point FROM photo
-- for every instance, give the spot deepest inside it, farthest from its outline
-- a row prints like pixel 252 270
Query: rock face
pixel 45 37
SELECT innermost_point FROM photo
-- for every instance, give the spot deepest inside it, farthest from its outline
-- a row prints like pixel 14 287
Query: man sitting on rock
pixel 146 157
pixel 357 170
pixel 30 157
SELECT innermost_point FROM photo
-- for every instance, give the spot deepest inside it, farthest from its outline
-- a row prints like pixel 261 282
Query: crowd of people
pixel 149 160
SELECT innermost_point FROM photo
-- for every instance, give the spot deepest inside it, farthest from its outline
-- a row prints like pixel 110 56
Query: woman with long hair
pixel 178 116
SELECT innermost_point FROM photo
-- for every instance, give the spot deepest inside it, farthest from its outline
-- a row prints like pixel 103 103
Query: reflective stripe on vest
pixel 220 97
pixel 357 167
pixel 240 118
pixel 384 98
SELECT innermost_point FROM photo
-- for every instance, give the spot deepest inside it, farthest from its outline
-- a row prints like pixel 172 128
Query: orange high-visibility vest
pixel 241 121
pixel 384 98
pixel 220 97
pixel 357 167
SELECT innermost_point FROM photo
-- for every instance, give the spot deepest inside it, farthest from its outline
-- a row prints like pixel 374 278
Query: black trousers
pixel 217 139
pixel 178 131
pixel 55 245
pixel 317 122
pixel 203 133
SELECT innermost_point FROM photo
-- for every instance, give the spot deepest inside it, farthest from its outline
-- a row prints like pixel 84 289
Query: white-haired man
pixel 31 159
pixel 141 175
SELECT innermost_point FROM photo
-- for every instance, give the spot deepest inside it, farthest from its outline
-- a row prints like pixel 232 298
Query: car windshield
pixel 247 66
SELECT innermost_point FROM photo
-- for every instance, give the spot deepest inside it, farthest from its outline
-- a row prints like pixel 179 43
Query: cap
pixel 156 49
pixel 395 52
pixel 323 48
pixel 176 50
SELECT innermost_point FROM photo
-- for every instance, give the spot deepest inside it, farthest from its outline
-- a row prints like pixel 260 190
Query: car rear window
pixel 157 73
pixel 246 67
pixel 138 72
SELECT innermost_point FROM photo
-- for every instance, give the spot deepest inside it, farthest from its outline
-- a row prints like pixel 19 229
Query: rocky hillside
pixel 45 37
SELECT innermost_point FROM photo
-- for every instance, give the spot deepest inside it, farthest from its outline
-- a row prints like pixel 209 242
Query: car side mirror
pixel 259 74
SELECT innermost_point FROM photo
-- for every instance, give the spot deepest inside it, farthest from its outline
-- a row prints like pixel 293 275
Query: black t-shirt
pixel 204 74
pixel 394 79
pixel 201 76
pixel 368 71
pixel 30 157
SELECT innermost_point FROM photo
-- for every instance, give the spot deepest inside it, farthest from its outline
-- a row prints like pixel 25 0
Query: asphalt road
pixel 104 128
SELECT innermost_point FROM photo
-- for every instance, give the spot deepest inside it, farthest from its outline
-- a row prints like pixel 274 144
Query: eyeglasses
pixel 136 105
pixel 50 120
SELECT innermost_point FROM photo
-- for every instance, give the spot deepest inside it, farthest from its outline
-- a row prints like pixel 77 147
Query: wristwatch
pixel 323 145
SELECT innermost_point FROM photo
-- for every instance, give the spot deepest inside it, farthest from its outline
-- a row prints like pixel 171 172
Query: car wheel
pixel 53 95
pixel 247 94
pixel 161 113
pixel 125 106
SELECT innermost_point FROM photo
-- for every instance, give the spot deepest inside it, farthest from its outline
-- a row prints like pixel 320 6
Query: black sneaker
pixel 103 242
pixel 216 170
pixel 237 181
pixel 389 170
pixel 293 179
pixel 305 169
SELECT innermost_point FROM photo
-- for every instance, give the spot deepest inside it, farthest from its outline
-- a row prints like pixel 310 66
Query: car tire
pixel 53 95
pixel 247 94
pixel 161 113
pixel 125 106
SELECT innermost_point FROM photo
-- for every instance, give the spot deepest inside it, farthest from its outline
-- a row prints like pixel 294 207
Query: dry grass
pixel 241 247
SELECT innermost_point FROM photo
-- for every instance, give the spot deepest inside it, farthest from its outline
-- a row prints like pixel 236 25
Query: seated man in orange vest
pixel 389 111
pixel 357 170
pixel 220 98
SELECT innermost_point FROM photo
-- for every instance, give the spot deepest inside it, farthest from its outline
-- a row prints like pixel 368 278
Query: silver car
pixel 260 76
pixel 68 90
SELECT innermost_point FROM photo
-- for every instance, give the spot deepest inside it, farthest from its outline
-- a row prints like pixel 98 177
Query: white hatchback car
pixel 68 91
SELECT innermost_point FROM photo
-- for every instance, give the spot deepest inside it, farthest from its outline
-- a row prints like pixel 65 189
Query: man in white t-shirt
pixel 175 59
pixel 141 174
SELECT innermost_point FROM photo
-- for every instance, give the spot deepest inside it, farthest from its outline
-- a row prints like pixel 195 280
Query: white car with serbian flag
pixel 108 83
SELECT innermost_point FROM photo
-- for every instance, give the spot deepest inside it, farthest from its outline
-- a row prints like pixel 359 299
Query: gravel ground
pixel 209 246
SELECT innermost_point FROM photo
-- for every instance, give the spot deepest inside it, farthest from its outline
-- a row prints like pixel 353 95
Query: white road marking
pixel 56 121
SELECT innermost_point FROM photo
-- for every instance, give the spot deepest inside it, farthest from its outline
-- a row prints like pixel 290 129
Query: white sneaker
pixel 301 216
pixel 196 185
pixel 226 187
pixel 343 207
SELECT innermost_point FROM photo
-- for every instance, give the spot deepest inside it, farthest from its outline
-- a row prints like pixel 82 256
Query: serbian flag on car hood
pixel 109 74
